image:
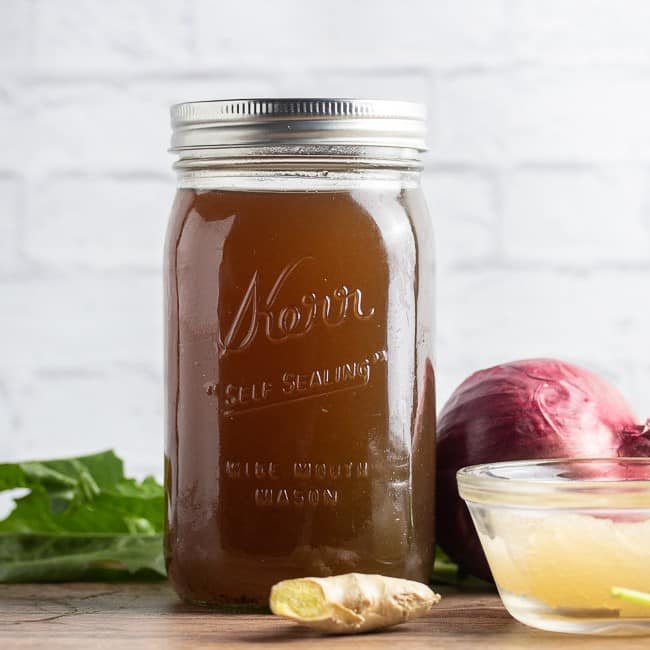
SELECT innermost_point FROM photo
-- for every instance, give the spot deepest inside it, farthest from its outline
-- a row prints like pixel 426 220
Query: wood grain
pixel 137 616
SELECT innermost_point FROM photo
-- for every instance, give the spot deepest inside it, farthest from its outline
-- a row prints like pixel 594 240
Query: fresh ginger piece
pixel 351 603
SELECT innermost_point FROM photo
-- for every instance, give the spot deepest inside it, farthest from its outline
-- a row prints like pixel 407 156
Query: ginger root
pixel 351 603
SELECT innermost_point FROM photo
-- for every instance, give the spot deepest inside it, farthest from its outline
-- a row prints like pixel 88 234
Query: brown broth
pixel 300 390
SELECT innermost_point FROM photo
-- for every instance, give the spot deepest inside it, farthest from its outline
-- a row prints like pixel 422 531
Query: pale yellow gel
pixel 570 561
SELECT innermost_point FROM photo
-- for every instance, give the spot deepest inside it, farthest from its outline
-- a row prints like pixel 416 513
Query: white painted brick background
pixel 538 179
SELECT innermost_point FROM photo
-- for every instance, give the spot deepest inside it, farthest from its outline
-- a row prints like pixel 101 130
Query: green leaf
pixel 105 468
pixel 632 595
pixel 447 572
pixel 81 519
pixel 54 558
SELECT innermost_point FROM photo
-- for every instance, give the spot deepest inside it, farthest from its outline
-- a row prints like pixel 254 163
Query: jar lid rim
pixel 228 123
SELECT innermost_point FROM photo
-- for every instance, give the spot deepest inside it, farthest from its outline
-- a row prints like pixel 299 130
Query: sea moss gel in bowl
pixel 566 540
pixel 300 387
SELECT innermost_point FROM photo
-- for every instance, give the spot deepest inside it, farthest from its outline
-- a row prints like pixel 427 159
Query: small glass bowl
pixel 566 539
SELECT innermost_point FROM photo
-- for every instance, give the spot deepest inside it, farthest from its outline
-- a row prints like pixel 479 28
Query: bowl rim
pixel 479 483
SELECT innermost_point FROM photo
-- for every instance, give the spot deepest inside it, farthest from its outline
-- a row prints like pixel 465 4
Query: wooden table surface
pixel 136 616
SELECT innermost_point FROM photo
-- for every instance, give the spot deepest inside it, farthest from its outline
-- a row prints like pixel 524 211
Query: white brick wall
pixel 594 213
pixel 9 223
pixel 538 179
pixel 72 220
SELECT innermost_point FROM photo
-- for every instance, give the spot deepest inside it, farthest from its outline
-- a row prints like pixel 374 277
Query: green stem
pixel 632 595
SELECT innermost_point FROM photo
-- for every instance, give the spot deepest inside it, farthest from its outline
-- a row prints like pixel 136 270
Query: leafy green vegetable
pixel 634 596
pixel 446 572
pixel 81 520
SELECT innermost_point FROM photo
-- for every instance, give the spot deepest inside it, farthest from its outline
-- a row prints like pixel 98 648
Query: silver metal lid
pixel 251 123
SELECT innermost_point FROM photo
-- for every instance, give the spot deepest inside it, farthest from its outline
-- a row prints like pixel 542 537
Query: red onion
pixel 532 409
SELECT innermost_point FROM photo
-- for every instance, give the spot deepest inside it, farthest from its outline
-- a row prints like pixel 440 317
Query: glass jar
pixel 299 371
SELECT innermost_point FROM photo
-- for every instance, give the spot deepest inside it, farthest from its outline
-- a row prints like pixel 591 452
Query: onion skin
pixel 530 409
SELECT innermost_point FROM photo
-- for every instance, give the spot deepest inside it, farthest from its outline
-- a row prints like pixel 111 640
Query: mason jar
pixel 300 398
